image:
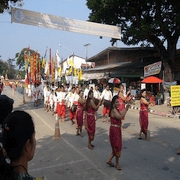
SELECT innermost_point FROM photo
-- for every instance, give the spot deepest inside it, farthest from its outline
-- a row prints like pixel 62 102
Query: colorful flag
pixel 58 61
pixel 71 63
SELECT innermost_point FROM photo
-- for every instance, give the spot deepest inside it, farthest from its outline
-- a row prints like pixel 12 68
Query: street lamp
pixel 86 45
pixel 66 48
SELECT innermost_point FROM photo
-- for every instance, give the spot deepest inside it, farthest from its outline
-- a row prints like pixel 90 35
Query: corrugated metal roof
pixel 110 66
pixel 110 49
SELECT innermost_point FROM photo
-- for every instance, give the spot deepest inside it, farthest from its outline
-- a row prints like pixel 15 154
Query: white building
pixel 77 63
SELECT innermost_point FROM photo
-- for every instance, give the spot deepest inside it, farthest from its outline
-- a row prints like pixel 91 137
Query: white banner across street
pixel 60 23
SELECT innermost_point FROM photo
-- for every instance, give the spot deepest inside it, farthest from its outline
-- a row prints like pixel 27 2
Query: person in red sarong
pixel 143 115
pixel 115 131
pixel 122 98
pixel 79 113
pixel 90 122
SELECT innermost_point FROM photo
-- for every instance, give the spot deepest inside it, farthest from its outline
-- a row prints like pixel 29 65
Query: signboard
pixel 152 69
pixel 175 95
pixel 60 23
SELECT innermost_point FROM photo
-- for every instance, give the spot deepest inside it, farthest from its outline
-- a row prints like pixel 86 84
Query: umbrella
pixel 114 81
pixel 152 79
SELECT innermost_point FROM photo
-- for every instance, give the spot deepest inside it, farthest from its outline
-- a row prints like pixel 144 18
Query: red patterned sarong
pixel 143 117
pixel 61 109
pixel 90 123
pixel 79 115
pixel 106 110
pixel 115 136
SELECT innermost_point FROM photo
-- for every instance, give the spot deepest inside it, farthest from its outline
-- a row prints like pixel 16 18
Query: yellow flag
pixel 59 71
pixel 71 63
pixel 80 74
pixel 26 64
pixel 43 63
pixel 75 72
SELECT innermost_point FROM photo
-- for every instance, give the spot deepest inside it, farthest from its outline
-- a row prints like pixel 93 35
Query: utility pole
pixel 86 45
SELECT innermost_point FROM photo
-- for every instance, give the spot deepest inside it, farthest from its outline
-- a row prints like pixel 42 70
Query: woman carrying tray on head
pixel 107 97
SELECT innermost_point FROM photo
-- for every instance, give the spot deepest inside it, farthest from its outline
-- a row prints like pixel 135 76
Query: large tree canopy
pixel 7 68
pixel 5 4
pixel 149 22
pixel 20 57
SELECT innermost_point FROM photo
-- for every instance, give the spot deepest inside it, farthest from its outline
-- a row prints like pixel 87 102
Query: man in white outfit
pixel 69 100
pixel 107 97
pixel 86 91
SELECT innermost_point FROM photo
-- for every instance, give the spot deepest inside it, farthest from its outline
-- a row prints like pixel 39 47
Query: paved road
pixel 69 158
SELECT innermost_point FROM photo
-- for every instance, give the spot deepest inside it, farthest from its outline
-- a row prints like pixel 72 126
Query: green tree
pixel 20 57
pixel 144 22
pixel 5 68
pixel 5 4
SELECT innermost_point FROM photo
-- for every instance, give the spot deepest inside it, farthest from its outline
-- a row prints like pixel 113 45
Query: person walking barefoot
pixel 115 131
pixel 90 122
pixel 143 115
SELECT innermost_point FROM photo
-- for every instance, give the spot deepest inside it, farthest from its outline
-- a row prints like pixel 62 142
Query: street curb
pixel 164 114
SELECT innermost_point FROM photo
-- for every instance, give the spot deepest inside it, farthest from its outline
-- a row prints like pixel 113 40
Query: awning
pixel 110 66
pixel 152 79
pixel 95 75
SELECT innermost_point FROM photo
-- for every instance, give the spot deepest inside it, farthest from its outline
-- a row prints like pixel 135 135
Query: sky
pixel 14 37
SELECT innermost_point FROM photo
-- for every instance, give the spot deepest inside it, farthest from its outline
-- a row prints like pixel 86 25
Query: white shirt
pixel 76 97
pixel 70 98
pixel 96 94
pixel 48 93
pixel 61 96
pixel 86 91
pixel 107 95
pixel 44 91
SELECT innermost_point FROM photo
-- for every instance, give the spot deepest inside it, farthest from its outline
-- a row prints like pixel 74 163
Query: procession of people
pixel 83 104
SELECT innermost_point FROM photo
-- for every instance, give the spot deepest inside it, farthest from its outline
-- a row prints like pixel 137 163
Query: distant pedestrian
pixel 96 96
pixel 80 113
pixel 86 91
pixel 70 100
pixel 143 115
pixel 115 131
pixel 122 98
pixel 106 96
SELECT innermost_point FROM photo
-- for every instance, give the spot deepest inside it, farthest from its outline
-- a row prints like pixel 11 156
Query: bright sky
pixel 14 37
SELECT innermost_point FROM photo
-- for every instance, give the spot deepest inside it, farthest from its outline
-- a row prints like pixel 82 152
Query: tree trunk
pixel 168 75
